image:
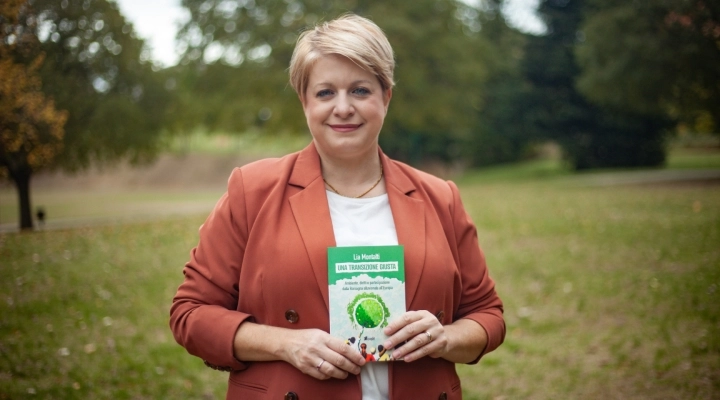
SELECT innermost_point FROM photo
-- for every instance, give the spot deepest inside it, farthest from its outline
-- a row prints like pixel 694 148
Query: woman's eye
pixel 361 91
pixel 324 93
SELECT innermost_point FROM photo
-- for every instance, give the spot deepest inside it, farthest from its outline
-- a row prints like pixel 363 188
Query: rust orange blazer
pixel 262 256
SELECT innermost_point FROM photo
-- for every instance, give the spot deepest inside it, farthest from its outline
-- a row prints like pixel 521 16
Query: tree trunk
pixel 22 183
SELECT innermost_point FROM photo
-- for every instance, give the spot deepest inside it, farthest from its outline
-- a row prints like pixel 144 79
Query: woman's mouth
pixel 344 127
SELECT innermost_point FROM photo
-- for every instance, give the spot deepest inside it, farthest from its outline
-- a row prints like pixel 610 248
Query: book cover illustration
pixel 367 291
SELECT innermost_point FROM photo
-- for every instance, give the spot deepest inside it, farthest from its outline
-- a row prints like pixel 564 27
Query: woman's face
pixel 345 107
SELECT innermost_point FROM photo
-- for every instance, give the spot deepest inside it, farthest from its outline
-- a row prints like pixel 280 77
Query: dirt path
pixel 168 171
pixel 648 177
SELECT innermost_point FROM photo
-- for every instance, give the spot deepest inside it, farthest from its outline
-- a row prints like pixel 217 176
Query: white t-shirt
pixel 365 222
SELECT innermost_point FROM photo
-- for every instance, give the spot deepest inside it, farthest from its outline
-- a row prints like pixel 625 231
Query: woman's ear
pixel 387 95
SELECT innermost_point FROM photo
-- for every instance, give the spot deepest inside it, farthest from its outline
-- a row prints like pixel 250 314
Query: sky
pixel 157 21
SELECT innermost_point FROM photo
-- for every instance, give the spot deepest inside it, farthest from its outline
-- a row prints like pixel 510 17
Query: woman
pixel 255 297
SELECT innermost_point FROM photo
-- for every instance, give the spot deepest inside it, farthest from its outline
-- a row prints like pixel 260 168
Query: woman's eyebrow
pixel 353 83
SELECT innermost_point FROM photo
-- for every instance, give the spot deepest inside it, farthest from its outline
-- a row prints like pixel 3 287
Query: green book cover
pixel 367 291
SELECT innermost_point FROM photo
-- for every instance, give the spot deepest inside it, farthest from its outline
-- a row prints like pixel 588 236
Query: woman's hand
pixel 312 351
pixel 420 334
pixel 316 353
pixel 423 332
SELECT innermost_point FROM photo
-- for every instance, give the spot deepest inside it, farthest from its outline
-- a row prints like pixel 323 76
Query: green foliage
pixel 234 65
pixel 252 144
pixel 31 128
pixel 662 58
pixel 619 139
pixel 236 57
pixel 502 133
pixel 96 70
pixel 591 136
pixel 441 65
pixel 113 104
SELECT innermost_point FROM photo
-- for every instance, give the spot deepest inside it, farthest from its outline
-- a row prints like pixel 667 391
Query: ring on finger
pixel 320 365
pixel 429 336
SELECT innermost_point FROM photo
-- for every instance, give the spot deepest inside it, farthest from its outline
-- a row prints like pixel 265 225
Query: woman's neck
pixel 353 177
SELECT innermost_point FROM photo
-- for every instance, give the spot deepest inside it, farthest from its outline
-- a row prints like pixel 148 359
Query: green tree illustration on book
pixel 368 310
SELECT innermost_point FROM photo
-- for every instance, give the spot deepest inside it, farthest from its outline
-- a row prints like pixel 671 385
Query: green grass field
pixel 611 291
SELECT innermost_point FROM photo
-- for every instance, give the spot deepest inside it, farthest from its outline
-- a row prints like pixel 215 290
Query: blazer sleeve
pixel 204 316
pixel 479 301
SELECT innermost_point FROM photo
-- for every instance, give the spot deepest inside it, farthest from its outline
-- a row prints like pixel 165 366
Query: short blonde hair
pixel 351 36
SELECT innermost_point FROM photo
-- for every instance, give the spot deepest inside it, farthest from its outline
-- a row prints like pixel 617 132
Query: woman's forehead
pixel 335 69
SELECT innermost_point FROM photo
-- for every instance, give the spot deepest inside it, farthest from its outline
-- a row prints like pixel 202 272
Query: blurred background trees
pixel 80 57
pixel 591 135
pixel 31 128
pixel 470 88
pixel 608 81
pixel 665 59
pixel 236 55
pixel 95 69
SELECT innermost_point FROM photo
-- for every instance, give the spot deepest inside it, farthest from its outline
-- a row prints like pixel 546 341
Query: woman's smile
pixel 344 127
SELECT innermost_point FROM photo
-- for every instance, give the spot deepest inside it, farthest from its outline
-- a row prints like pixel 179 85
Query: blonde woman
pixel 254 301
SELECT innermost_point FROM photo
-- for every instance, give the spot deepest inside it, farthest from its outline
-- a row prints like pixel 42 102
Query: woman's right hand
pixel 312 351
pixel 316 353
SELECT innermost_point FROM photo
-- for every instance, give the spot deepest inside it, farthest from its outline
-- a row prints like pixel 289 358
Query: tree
pixel 237 53
pixel 97 71
pixel 31 128
pixel 591 136
pixel 442 64
pixel 654 57
pixel 502 134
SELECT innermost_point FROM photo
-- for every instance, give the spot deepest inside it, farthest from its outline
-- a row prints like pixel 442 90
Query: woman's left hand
pixel 425 336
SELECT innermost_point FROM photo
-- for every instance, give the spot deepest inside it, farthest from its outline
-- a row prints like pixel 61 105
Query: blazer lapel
pixel 312 214
pixel 409 216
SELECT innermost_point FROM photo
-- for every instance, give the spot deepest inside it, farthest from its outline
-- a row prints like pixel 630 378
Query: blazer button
pixel 440 315
pixel 443 396
pixel 292 317
pixel 291 396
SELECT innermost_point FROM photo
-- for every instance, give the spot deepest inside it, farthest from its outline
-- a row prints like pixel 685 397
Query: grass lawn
pixel 611 291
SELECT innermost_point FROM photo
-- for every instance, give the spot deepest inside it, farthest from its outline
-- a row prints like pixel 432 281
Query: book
pixel 367 291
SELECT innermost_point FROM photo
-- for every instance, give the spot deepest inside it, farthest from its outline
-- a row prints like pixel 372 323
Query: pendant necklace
pixel 364 193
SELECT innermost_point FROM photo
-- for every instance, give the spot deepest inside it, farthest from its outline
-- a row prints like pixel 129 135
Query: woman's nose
pixel 343 106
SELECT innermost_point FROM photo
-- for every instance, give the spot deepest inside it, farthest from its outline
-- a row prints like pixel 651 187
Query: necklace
pixel 364 193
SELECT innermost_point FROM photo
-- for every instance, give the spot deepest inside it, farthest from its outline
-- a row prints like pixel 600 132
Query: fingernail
pixel 387 344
